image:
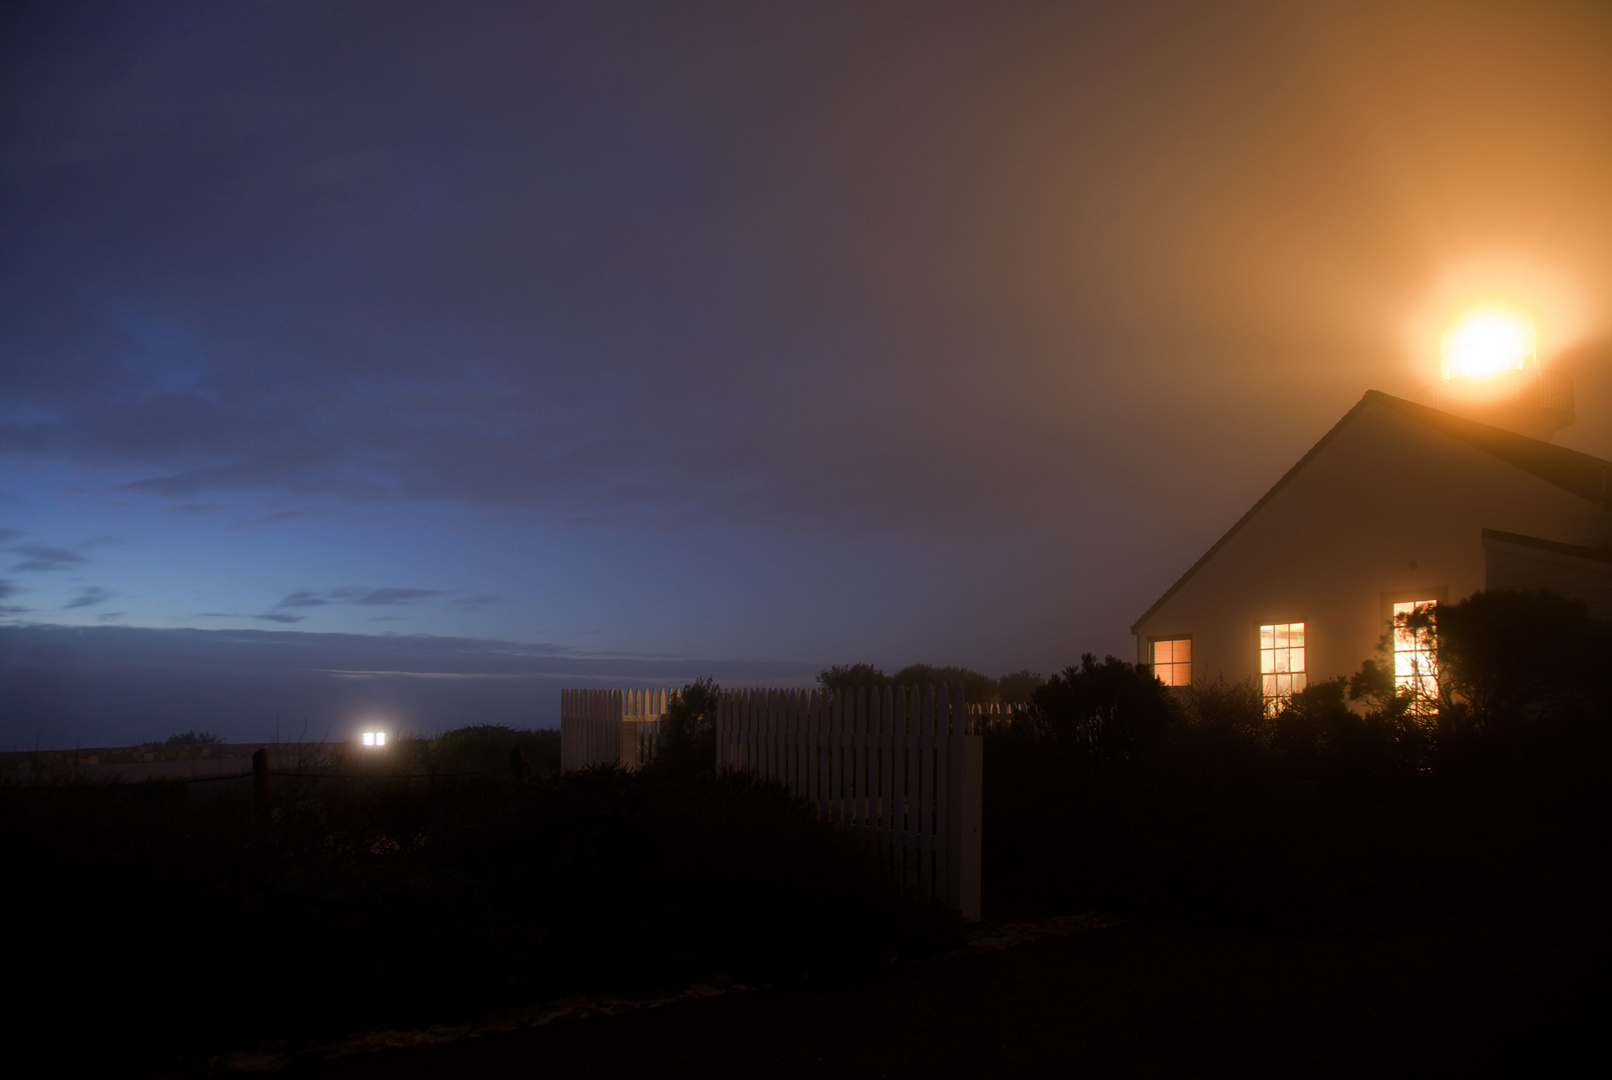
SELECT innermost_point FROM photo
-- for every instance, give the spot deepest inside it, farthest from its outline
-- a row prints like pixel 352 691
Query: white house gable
pixel 1390 507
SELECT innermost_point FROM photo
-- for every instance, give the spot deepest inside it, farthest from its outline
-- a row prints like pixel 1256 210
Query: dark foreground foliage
pixel 1336 814
pixel 177 923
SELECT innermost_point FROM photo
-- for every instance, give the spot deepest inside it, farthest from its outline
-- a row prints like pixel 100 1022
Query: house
pixel 1400 505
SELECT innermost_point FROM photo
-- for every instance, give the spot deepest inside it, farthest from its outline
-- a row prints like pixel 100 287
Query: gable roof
pixel 1578 474
pixel 1553 547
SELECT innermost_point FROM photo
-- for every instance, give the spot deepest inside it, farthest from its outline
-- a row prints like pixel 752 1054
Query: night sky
pixel 618 343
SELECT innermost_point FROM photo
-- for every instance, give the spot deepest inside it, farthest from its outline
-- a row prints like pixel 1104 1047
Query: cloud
pixel 45 557
pixel 8 535
pixel 6 588
pixel 372 597
pixel 280 617
pixel 364 597
pixel 91 596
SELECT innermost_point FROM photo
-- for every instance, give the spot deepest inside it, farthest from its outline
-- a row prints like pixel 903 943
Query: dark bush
pixel 389 901
pixel 192 738
pixel 1198 807
pixel 687 742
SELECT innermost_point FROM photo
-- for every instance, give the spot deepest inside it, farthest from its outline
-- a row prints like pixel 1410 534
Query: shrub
pixel 389 901
pixel 192 738
pixel 687 743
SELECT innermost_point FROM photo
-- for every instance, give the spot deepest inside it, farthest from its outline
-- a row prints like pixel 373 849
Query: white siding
pixel 1388 506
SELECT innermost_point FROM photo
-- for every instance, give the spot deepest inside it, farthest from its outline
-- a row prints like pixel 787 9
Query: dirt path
pixel 1489 995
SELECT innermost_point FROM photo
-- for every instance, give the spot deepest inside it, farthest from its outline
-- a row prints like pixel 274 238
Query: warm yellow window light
pixel 1281 663
pixel 1172 661
pixel 374 738
pixel 1488 341
pixel 1415 655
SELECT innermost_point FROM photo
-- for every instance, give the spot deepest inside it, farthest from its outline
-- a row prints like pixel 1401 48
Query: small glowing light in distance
pixel 374 738
pixel 1487 342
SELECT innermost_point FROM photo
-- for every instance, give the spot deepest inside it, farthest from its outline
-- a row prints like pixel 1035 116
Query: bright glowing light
pixel 1489 341
pixel 374 738
pixel 1416 654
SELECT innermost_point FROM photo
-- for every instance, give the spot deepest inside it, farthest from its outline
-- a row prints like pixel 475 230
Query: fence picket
pixel 896 766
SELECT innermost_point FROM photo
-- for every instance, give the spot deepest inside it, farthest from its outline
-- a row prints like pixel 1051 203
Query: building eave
pixel 1578 474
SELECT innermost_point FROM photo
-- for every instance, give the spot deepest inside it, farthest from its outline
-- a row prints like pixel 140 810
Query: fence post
pixel 260 785
pixel 964 811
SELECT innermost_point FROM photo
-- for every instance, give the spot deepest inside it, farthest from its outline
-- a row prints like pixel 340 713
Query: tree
pixel 977 688
pixel 852 677
pixel 1019 687
pixel 1509 659
pixel 1102 712
pixel 687 743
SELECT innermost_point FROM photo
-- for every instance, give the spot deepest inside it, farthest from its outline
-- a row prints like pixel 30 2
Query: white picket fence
pixel 610 727
pixel 897 766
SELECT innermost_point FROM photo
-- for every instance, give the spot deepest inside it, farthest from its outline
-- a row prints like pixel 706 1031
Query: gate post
pixel 964 815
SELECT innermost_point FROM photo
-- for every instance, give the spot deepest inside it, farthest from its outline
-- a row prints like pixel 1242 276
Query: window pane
pixel 1183 650
pixel 1269 685
pixel 1296 660
pixel 1300 681
pixel 1163 652
pixel 1267 637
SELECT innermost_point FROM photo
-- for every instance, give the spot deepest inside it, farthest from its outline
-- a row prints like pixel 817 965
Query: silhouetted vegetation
pixel 192 738
pixel 441 882
pixel 977 688
pixel 687 743
pixel 1354 805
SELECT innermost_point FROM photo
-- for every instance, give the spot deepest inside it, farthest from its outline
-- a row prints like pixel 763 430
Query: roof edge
pixel 1369 398
pixel 1555 547
pixel 1519 451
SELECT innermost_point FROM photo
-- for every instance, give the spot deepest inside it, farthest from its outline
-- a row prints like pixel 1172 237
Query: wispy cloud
pixel 363 597
pixel 372 597
pixel 426 674
pixel 280 617
pixel 46 557
pixel 95 594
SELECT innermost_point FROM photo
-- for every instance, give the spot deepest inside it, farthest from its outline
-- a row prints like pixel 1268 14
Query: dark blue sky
pixel 756 334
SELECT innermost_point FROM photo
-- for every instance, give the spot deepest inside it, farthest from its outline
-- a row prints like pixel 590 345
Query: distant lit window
pixel 374 738
pixel 1281 663
pixel 1416 653
pixel 1172 661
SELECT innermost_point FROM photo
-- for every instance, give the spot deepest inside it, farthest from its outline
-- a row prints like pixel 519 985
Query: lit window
pixel 1416 653
pixel 1172 661
pixel 374 738
pixel 1281 663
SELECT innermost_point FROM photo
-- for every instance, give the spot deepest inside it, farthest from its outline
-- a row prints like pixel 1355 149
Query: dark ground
pixel 1497 993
